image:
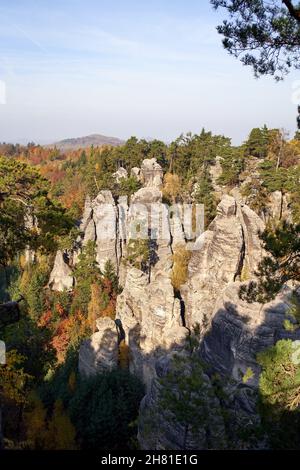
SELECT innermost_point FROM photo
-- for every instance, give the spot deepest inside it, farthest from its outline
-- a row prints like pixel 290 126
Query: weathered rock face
pixel 240 330
pixel 105 216
pixel 61 275
pixel 100 352
pixel 228 250
pixel 99 224
pixel 215 173
pixel 31 223
pixel 87 226
pixel 151 319
pixel 232 331
pixel 278 206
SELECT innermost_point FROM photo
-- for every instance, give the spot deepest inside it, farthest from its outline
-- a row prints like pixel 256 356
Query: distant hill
pixel 82 142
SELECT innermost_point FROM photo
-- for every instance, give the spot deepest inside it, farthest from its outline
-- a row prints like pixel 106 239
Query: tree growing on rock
pixel 181 259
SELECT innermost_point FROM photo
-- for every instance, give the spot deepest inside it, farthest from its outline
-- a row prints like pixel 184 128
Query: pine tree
pixel 109 273
pixel 204 194
pixel 186 397
pixel 257 143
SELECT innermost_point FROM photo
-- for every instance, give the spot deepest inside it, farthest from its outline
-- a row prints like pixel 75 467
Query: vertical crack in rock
pixel 239 270
pixel 118 253
pixel 177 295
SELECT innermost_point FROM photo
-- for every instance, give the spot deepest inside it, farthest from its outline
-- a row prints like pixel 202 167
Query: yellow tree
pixel 95 305
pixel 172 187
pixel 61 432
pixel 35 422
pixel 181 259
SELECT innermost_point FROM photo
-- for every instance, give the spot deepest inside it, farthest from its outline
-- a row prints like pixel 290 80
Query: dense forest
pixel 46 403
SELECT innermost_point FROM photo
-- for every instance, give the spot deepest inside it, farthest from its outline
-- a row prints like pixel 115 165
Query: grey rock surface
pixel 61 277
pixel 100 352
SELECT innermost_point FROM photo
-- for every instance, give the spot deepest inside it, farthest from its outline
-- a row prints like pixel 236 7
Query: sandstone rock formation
pixel 228 250
pixel 119 174
pixel 99 353
pixel 61 277
pixel 154 319
pixel 151 173
pixel 238 332
pixel 110 224
pixel 278 206
pixel 151 319
pixel 105 217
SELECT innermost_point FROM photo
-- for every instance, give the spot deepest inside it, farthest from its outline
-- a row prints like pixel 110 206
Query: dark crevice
pixel 178 296
pixel 239 270
pixel 120 330
pixel 115 199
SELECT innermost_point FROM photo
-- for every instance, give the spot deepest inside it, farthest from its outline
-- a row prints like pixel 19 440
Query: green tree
pixel 283 263
pixel 87 272
pixel 104 409
pixel 258 142
pixel 233 163
pixel 61 432
pixel 28 217
pixel 109 273
pixel 204 194
pixel 138 253
pixel 127 186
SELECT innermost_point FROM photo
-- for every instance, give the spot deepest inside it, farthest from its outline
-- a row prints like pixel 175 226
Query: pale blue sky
pixel 122 68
